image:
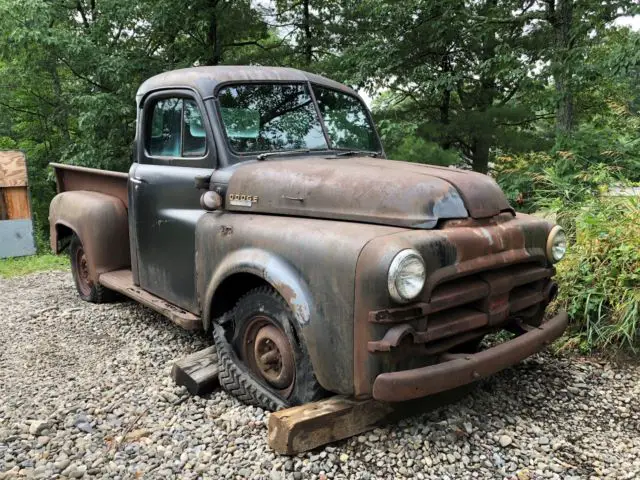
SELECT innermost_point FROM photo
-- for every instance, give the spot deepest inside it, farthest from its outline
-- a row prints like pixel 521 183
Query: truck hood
pixel 363 189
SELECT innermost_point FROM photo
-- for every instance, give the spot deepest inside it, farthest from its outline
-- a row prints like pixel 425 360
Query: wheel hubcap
pixel 269 354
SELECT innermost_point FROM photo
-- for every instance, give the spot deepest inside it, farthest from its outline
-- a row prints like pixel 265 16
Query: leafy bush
pixel 600 277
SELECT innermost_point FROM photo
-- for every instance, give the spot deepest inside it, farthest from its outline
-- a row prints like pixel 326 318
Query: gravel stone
pixel 505 440
pixel 86 392
pixel 38 426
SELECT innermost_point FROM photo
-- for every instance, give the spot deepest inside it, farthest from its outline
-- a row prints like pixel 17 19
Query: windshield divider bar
pixel 325 132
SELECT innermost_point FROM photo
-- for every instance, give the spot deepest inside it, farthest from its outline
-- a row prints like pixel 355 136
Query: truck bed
pixel 71 177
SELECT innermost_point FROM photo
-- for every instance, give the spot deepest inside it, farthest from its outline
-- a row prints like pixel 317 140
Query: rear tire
pixel 88 290
pixel 262 362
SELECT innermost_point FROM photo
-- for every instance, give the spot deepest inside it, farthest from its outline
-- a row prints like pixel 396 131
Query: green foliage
pixel 545 92
pixel 600 277
pixel 403 143
pixel 69 72
pixel 11 267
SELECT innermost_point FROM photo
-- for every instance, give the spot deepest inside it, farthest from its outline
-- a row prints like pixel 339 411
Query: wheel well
pixel 63 237
pixel 231 289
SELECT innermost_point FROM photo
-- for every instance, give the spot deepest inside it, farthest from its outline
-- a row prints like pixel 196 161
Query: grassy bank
pixel 11 267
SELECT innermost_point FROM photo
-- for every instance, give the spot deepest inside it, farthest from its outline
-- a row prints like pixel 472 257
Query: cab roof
pixel 206 80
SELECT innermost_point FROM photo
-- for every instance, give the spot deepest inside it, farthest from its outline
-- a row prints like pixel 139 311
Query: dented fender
pixel 100 221
pixel 276 271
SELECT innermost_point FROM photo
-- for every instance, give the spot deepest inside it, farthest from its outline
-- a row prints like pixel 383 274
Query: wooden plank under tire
pixel 198 371
pixel 308 426
pixel 298 429
pixel 122 281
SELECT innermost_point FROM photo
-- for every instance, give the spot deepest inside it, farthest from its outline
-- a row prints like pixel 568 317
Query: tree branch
pixel 21 110
pixel 86 79
pixel 527 120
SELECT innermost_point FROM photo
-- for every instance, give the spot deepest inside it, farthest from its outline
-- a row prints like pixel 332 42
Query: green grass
pixel 12 267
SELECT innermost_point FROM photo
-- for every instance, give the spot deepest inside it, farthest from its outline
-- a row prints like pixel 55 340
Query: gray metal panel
pixel 16 238
pixel 204 80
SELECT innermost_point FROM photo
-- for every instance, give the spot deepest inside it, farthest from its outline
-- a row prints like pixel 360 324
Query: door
pixel 175 146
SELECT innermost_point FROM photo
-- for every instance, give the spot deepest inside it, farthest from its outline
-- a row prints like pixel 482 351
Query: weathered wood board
pixel 15 203
pixel 198 372
pixel 308 426
pixel 13 169
pixel 299 429
pixel 16 228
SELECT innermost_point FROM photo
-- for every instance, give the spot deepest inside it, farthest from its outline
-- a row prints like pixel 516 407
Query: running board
pixel 122 281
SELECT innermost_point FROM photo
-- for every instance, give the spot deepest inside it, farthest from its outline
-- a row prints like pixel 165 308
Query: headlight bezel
pixel 556 233
pixel 396 266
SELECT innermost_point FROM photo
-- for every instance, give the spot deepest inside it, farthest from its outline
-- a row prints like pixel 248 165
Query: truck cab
pixel 261 208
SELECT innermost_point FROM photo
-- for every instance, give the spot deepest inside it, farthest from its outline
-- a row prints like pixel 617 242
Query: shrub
pixel 600 277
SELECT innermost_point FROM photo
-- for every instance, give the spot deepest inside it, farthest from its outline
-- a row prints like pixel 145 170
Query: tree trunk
pixel 562 71
pixel 306 26
pixel 213 37
pixel 480 155
pixel 61 115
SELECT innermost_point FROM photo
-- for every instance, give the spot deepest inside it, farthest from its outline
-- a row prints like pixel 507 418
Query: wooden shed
pixel 16 225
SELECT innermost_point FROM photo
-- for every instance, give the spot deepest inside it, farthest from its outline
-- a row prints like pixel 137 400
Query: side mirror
pixel 202 182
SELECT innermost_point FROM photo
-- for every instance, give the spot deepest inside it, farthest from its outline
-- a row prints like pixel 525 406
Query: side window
pixel 177 129
pixel 195 137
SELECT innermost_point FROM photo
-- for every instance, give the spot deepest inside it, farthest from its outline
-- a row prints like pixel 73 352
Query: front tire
pixel 261 360
pixel 88 290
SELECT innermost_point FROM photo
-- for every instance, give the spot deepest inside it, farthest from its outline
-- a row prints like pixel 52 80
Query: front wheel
pixel 88 290
pixel 262 362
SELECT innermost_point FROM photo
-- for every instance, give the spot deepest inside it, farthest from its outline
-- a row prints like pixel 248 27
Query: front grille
pixel 462 303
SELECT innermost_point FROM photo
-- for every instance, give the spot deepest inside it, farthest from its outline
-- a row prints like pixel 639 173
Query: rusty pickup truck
pixel 261 209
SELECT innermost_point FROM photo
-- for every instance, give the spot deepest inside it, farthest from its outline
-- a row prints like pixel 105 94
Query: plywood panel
pixel 15 202
pixel 13 169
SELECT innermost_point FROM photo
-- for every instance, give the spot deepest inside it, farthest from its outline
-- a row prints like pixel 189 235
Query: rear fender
pixel 272 269
pixel 100 221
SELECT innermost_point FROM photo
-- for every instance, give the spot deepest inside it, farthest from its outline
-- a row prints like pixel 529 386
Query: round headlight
pixel 406 276
pixel 556 244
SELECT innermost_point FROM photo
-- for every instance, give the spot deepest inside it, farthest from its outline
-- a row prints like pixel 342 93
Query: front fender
pixel 310 262
pixel 100 221
pixel 273 269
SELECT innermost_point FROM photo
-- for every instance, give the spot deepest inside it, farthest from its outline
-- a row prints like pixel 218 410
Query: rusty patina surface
pixel 365 190
pixel 454 370
pixel 322 230
pixel 92 204
pixel 479 275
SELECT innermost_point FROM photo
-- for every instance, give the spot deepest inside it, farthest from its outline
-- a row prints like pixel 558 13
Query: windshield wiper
pixel 348 153
pixel 265 155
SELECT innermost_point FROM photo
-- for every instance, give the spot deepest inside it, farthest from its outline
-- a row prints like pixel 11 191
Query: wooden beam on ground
pixel 308 426
pixel 198 372
pixel 298 429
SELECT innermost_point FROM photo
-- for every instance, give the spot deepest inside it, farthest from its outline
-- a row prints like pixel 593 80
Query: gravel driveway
pixel 85 391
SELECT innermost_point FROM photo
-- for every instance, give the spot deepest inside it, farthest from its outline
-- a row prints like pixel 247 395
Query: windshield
pixel 259 118
pixel 279 117
pixel 346 120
